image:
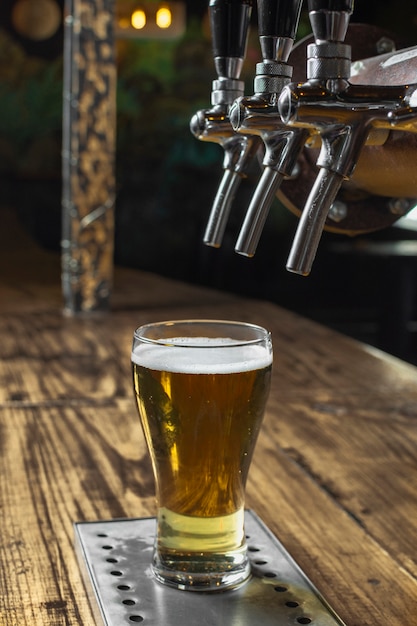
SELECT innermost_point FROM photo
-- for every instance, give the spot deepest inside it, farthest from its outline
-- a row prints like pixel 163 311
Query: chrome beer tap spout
pixel 346 116
pixel 229 21
pixel 328 71
pixel 258 114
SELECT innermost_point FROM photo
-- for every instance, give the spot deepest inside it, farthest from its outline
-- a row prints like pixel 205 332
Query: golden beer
pixel 201 402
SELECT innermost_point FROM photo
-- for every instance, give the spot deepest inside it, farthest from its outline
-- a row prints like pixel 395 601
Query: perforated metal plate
pixel 115 557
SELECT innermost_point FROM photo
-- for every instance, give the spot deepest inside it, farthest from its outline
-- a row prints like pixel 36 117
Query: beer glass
pixel 201 387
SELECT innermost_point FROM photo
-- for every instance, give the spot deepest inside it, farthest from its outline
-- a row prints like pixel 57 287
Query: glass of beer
pixel 201 387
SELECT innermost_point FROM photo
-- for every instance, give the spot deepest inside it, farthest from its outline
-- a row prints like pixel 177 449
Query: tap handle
pixel 278 18
pixel 331 5
pixel 229 28
pixel 330 19
pixel 229 20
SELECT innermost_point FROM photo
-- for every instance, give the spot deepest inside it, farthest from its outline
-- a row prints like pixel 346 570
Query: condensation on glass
pixel 88 197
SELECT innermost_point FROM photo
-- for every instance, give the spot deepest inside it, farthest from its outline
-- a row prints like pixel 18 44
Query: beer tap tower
pixel 258 114
pixel 229 26
pixel 349 127
pixel 344 115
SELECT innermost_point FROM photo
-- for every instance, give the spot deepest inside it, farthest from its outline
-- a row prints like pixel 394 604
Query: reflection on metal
pixel 89 107
pixel 115 557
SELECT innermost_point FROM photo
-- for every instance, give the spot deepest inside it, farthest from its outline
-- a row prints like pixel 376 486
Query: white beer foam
pixel 208 357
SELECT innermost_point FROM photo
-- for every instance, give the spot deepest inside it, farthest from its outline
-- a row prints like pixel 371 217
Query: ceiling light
pixel 149 19
pixel 138 19
pixel 164 17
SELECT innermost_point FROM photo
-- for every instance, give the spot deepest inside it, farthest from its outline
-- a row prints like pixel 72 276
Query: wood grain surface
pixel 334 474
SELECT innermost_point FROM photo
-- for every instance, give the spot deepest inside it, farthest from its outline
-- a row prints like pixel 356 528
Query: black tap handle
pixel 331 5
pixel 229 27
pixel 278 18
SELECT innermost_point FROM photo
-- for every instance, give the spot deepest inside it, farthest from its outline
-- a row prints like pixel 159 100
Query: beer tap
pixel 258 114
pixel 229 21
pixel 328 69
pixel 360 118
pixel 346 117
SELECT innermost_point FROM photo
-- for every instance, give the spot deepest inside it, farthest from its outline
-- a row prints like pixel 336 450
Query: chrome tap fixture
pixel 346 116
pixel 258 115
pixel 328 71
pixel 350 127
pixel 229 21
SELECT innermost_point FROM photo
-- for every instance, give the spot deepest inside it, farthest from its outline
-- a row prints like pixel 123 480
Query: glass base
pixel 202 572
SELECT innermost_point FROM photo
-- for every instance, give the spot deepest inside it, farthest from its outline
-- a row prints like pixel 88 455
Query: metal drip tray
pixel 115 556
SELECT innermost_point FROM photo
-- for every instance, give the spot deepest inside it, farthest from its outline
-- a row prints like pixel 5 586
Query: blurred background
pixel 166 179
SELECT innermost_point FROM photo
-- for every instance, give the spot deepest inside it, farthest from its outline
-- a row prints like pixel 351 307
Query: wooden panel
pixel 334 472
pixel 349 566
pixel 62 465
pixel 371 481
pixel 91 355
pixel 58 466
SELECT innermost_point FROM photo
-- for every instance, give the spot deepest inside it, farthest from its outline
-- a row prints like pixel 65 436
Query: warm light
pixel 164 17
pixel 138 19
pixel 124 23
pixel 36 19
pixel 148 19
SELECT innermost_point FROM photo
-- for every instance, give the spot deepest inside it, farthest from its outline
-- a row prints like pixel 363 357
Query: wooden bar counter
pixel 334 474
